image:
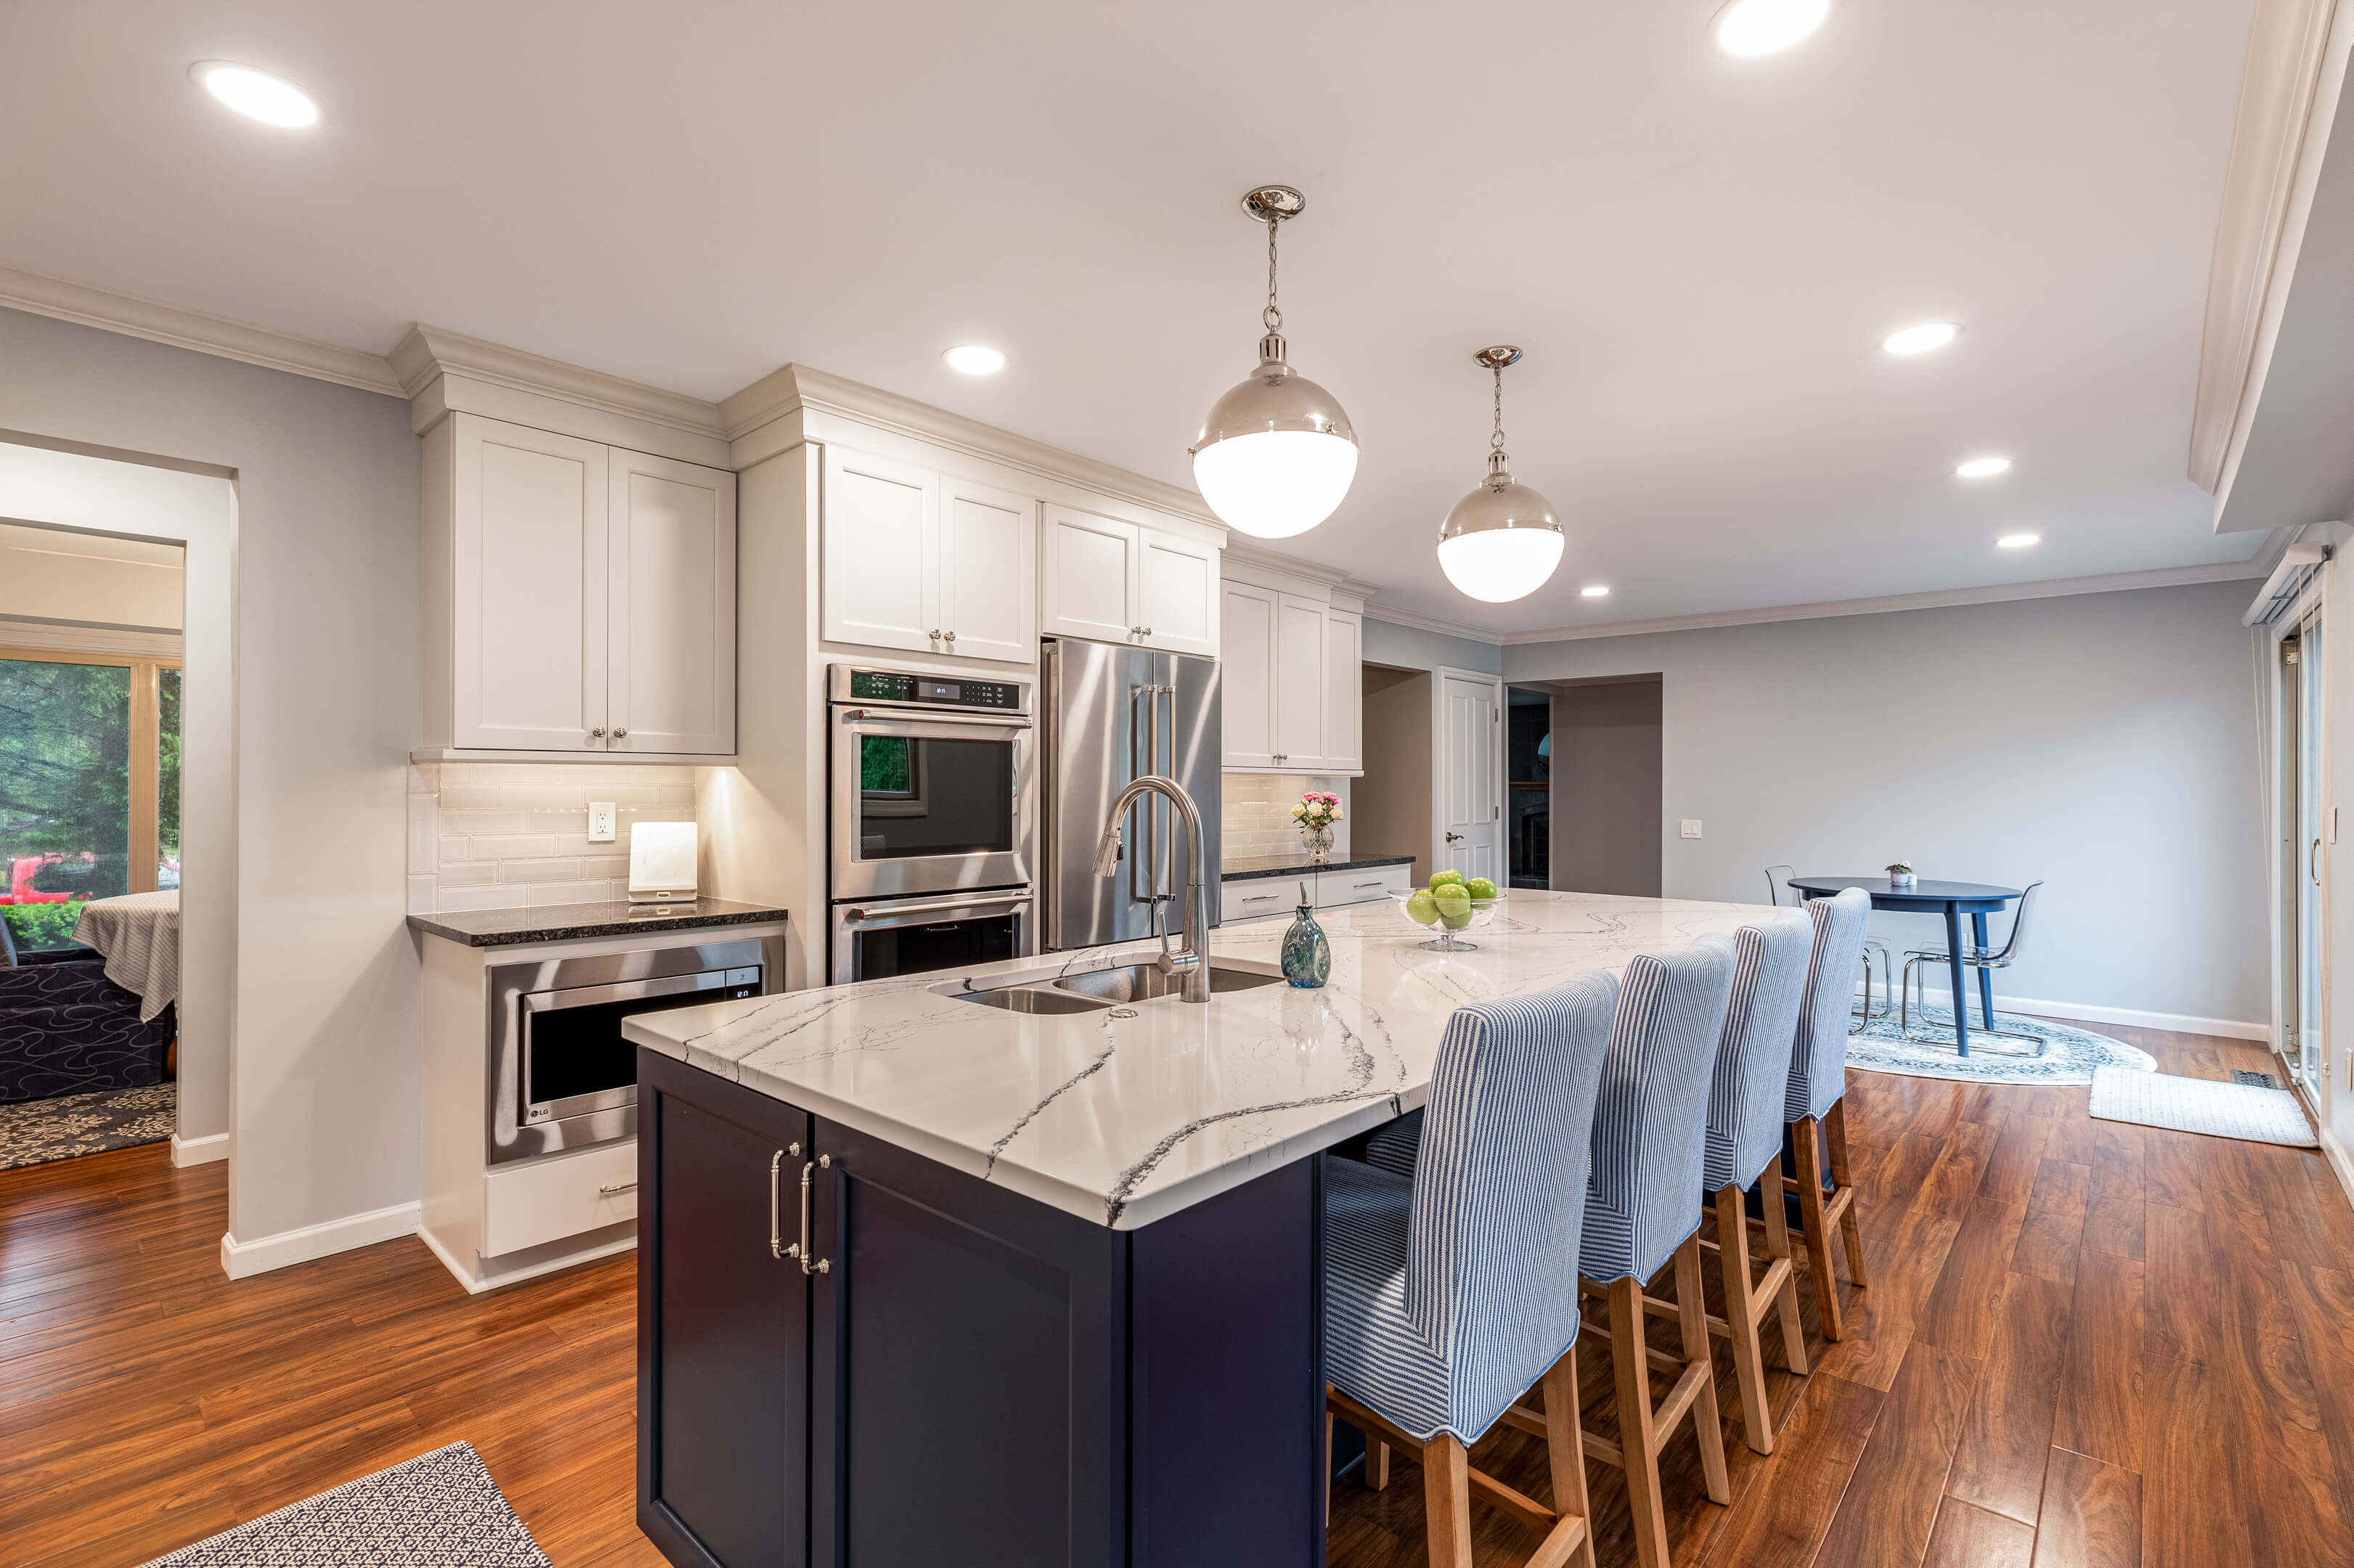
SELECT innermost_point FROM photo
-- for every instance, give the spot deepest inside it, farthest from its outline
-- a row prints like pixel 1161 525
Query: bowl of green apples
pixel 1451 904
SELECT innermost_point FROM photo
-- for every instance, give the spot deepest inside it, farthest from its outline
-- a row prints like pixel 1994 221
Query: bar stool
pixel 1744 1140
pixel 1448 1292
pixel 1814 1104
pixel 1649 1132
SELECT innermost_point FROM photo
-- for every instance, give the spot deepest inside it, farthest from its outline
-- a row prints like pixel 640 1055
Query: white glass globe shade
pixel 1276 483
pixel 1499 565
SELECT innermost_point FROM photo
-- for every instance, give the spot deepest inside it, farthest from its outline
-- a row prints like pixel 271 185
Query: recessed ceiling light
pixel 2019 541
pixel 974 359
pixel 1749 27
pixel 1982 468
pixel 1595 590
pixel 1925 338
pixel 256 94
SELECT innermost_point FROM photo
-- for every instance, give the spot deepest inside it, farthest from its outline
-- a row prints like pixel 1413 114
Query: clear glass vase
pixel 1318 842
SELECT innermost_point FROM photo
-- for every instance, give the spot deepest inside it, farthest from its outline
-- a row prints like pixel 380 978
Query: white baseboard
pixel 2339 1161
pixel 241 1260
pixel 199 1150
pixel 2174 1022
pixel 494 1274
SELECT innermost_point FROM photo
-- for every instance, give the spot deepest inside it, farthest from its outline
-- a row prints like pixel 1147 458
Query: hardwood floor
pixel 2087 1343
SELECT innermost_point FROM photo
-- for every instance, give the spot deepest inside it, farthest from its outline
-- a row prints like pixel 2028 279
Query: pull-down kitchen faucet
pixel 1192 961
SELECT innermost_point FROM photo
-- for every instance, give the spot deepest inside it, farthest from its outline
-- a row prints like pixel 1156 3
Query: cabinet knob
pixel 597 734
pixel 934 634
pixel 1148 631
pixel 620 734
pixel 949 636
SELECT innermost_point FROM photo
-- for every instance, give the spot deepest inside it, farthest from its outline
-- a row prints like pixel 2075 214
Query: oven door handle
pixel 859 915
pixel 622 990
pixel 902 716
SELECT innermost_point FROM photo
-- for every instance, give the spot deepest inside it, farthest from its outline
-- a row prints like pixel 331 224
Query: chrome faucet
pixel 1192 961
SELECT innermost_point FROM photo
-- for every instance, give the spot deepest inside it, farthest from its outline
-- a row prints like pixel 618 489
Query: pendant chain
pixel 1271 316
pixel 1496 442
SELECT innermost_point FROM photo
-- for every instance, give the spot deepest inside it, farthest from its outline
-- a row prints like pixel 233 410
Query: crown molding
pixel 157 322
pixel 429 352
pixel 797 390
pixel 1323 576
pixel 2288 53
pixel 1376 611
pixel 1998 593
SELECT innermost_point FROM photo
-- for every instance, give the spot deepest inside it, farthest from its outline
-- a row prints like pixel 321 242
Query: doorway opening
pixel 1528 785
pixel 1602 780
pixel 2297 672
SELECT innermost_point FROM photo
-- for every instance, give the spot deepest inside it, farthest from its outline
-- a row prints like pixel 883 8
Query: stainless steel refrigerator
pixel 1110 715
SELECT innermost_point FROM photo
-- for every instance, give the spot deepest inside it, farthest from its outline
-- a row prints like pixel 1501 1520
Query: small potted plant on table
pixel 1900 874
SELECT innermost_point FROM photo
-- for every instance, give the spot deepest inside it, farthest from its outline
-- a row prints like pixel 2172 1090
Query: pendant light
pixel 1276 454
pixel 1501 542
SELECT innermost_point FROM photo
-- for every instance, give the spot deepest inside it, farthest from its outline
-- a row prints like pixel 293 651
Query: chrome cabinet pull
pixel 775 1229
pixel 1373 885
pixel 802 1251
pixel 618 734
pixel 617 1187
pixel 949 636
pixel 597 734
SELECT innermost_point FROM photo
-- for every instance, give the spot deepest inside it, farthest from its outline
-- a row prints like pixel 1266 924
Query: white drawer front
pixel 1258 897
pixel 1335 889
pixel 562 1195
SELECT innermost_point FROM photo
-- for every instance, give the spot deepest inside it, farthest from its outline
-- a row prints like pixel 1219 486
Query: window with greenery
pixel 89 786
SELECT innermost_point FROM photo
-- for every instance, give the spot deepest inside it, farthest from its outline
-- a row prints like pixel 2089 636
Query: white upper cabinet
pixel 925 562
pixel 580 597
pixel 989 585
pixel 1289 685
pixel 1115 581
pixel 671 645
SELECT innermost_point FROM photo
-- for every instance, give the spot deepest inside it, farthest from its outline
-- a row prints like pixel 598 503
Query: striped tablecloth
pixel 139 934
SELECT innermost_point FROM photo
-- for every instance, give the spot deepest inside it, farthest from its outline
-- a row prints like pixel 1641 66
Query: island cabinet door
pixel 723 1322
pixel 967 1385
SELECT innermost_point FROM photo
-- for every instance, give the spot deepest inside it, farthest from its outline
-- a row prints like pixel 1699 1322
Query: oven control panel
pixel 931 691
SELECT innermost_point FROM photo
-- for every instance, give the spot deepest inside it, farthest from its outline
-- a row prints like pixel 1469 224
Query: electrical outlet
pixel 1692 827
pixel 600 822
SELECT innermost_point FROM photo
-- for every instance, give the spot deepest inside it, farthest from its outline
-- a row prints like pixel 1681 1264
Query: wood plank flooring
pixel 2088 1343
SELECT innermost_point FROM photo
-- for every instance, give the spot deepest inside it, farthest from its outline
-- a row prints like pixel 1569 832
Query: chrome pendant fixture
pixel 1501 542
pixel 1276 454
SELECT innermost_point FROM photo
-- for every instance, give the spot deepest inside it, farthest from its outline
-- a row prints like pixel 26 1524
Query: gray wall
pixel 2103 742
pixel 1606 750
pixel 1411 647
pixel 1391 802
pixel 324 1065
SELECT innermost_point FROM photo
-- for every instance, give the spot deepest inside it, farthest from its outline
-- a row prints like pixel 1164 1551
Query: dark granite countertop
pixel 569 922
pixel 1298 865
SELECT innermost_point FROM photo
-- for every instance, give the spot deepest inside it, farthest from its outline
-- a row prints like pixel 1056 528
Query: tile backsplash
pixel 503 835
pixel 1255 814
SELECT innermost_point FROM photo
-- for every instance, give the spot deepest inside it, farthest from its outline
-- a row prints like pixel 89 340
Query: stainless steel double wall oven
pixel 932 830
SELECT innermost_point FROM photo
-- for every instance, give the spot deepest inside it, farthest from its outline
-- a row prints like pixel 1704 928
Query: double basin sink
pixel 1093 990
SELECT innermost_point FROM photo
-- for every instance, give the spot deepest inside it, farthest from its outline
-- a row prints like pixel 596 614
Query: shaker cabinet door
pixel 1247 657
pixel 528 562
pixel 671 645
pixel 1299 685
pixel 989 572
pixel 1177 593
pixel 1088 565
pixel 882 548
pixel 1344 690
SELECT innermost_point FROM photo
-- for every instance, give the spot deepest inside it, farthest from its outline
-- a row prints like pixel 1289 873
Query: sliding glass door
pixel 2298 706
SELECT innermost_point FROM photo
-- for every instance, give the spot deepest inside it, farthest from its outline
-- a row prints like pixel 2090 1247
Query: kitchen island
pixel 923 1278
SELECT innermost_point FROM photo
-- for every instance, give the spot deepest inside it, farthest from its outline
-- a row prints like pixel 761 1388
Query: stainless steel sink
pixel 1032 998
pixel 1142 983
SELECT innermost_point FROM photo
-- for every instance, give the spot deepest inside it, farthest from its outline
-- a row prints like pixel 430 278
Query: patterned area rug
pixel 438 1511
pixel 34 1132
pixel 2070 1055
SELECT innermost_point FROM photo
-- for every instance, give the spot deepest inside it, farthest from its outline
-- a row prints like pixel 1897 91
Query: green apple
pixel 1454 907
pixel 1482 887
pixel 1445 878
pixel 1422 909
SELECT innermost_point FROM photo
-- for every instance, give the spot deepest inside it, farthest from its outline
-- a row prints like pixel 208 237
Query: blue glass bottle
pixel 1307 956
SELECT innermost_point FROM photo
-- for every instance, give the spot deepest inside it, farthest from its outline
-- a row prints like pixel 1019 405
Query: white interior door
pixel 882 553
pixel 529 555
pixel 1467 772
pixel 1300 653
pixel 672 629
pixel 989 572
pixel 1246 674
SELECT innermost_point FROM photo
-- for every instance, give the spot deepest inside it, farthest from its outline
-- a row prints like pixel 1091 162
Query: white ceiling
pixel 1699 254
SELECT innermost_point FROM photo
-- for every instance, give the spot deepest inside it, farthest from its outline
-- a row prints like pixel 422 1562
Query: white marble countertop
pixel 1127 1120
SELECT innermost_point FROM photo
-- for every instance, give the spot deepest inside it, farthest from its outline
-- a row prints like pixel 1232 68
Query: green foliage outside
pixel 40 926
pixel 882 764
pixel 64 786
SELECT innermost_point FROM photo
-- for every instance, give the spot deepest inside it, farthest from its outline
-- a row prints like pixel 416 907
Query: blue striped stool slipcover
pixel 1752 1056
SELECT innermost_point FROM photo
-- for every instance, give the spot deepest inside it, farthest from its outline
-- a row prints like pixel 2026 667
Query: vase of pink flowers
pixel 1316 813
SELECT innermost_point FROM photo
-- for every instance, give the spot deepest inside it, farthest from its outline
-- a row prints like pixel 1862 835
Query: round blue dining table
pixel 1953 900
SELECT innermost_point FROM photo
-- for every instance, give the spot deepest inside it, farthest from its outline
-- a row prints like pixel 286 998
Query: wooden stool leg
pixel 1786 1300
pixel 1446 1502
pixel 1565 1448
pixel 1850 1223
pixel 1691 1312
pixel 1377 1463
pixel 1741 1318
pixel 1630 1368
pixel 1810 1212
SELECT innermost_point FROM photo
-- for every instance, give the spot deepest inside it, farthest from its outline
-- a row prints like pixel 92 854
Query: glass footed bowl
pixel 1447 937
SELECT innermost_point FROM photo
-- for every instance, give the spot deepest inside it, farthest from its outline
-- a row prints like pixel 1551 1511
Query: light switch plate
pixel 600 822
pixel 1692 827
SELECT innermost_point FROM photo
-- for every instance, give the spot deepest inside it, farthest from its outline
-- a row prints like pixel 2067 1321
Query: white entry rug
pixel 2071 1055
pixel 2202 1104
pixel 438 1511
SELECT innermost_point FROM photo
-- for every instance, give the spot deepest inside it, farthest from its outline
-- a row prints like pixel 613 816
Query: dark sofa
pixel 66 1029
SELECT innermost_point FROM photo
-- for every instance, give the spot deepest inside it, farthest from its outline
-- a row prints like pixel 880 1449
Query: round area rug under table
pixel 2070 1055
